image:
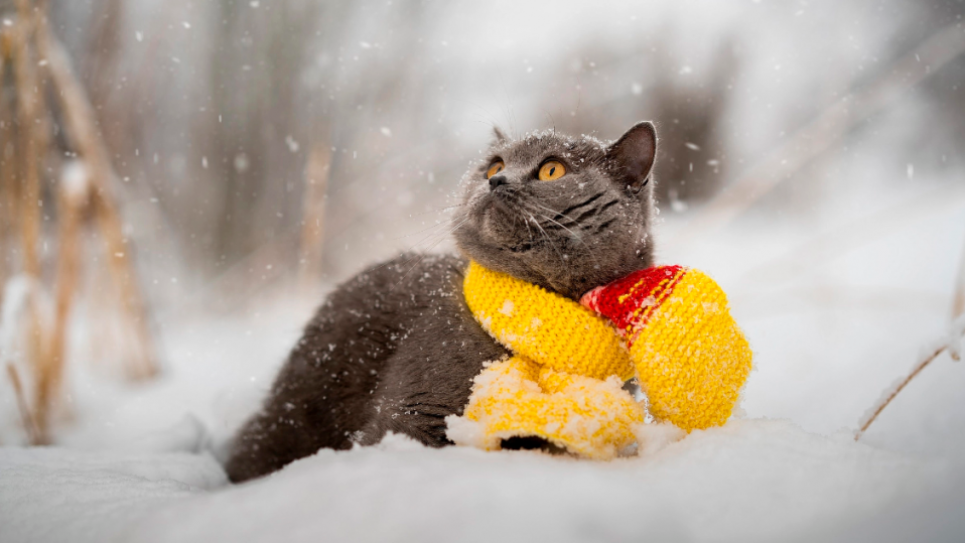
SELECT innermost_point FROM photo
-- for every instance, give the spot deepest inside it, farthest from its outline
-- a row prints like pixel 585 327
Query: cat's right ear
pixel 632 156
pixel 498 137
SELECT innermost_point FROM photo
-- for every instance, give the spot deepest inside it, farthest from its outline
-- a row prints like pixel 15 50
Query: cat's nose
pixel 496 181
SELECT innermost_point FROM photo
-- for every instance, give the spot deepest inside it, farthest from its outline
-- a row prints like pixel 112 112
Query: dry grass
pixel 29 424
pixel 887 398
pixel 27 165
pixel 81 129
pixel 959 324
pixel 72 200
pixel 313 217
pixel 28 154
pixel 958 299
pixel 827 130
pixel 22 44
pixel 8 184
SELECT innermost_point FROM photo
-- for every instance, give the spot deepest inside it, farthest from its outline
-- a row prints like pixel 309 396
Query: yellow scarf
pixel 564 381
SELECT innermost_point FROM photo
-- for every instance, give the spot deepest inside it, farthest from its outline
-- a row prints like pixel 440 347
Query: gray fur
pixel 395 348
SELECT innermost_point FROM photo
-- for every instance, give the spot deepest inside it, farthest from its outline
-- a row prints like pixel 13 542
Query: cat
pixel 396 349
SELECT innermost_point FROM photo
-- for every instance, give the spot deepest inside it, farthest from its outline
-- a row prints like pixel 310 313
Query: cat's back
pixel 406 321
pixel 394 348
pixel 405 286
pixel 371 317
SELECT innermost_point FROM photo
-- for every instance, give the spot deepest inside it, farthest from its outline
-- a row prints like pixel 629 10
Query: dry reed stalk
pixel 826 130
pixel 886 399
pixel 313 216
pixel 958 301
pixel 958 330
pixel 8 192
pixel 72 199
pixel 28 161
pixel 28 104
pixel 81 129
pixel 27 420
pixel 31 149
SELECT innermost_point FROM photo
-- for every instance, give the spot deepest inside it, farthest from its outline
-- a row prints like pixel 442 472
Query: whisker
pixel 572 233
pixel 577 238
pixel 528 230
pixel 444 212
pixel 426 229
pixel 418 258
pixel 429 236
pixel 441 237
pixel 548 239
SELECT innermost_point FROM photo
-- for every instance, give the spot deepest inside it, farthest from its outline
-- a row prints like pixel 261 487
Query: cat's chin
pixel 491 231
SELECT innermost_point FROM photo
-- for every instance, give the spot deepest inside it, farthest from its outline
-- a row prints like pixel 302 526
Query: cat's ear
pixel 632 156
pixel 498 137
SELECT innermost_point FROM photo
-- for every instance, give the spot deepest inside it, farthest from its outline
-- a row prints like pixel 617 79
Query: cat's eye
pixel 495 168
pixel 551 171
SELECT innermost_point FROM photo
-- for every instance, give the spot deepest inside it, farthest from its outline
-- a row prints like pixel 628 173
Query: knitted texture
pixel 668 325
pixel 691 358
pixel 586 416
pixel 544 326
pixel 556 385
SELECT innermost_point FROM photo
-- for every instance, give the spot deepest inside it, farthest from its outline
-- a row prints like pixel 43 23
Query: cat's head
pixel 566 213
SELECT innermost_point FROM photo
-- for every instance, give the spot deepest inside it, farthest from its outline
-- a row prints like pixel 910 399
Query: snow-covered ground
pixel 837 305
pixel 751 480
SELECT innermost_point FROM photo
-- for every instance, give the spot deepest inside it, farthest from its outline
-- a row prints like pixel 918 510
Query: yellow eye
pixel 495 168
pixel 551 171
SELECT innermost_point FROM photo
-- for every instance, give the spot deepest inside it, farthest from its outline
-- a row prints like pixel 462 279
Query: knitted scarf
pixel 667 325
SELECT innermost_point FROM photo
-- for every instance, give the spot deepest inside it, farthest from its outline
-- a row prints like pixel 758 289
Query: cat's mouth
pixel 502 203
pixel 501 223
pixel 504 220
pixel 523 247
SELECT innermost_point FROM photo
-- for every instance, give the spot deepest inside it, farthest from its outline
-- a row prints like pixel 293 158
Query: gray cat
pixel 395 348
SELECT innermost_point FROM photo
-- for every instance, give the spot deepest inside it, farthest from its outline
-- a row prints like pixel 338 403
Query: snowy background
pixel 812 161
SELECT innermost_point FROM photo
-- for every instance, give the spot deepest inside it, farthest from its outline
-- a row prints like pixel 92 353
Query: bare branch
pixel 9 195
pixel 313 215
pixel 29 426
pixel 958 331
pixel 28 105
pixel 81 127
pixel 958 301
pixel 71 202
pixel 826 130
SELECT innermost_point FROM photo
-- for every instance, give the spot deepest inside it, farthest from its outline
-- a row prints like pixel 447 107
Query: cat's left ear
pixel 632 156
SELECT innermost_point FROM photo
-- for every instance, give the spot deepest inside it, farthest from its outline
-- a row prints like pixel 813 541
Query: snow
pixel 75 179
pixel 697 488
pixel 64 495
pixel 751 480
